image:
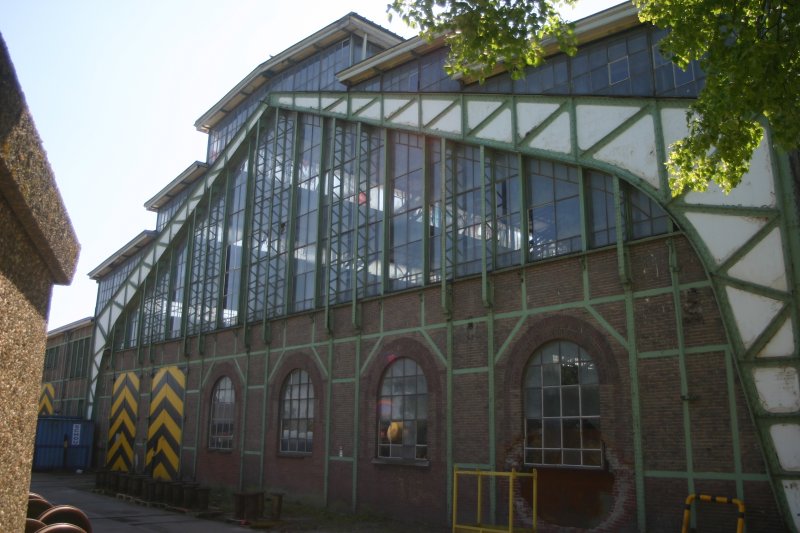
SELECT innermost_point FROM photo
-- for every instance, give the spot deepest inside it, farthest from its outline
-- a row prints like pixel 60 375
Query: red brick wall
pixel 553 292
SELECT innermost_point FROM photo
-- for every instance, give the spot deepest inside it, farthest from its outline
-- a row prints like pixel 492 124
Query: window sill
pixel 294 455
pixel 223 451
pixel 414 463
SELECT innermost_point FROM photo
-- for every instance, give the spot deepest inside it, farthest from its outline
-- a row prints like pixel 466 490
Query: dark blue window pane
pixel 682 77
pixel 617 50
pixel 600 78
pixel 597 57
pixel 580 64
pixel 618 70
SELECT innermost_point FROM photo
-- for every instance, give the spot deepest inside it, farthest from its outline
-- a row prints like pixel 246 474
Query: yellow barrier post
pixel 687 511
pixel 455 497
pixel 479 517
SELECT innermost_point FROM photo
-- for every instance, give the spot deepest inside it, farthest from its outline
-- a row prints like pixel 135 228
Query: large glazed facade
pixel 381 274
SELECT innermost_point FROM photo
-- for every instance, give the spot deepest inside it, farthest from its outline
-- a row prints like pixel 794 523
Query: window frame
pixel 398 372
pixel 216 439
pixel 537 402
pixel 310 399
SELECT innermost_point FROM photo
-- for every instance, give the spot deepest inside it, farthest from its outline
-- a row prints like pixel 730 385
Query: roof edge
pixel 375 32
pixel 130 249
pixel 185 178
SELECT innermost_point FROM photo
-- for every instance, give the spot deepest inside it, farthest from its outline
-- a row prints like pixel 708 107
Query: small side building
pixel 65 379
pixel 38 248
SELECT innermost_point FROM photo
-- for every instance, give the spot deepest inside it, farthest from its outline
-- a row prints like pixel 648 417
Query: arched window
pixel 562 407
pixel 223 401
pixel 403 412
pixel 297 413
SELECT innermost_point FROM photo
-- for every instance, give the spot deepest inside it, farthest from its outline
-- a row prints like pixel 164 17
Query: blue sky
pixel 116 86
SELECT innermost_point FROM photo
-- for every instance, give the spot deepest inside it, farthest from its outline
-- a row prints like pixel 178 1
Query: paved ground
pixel 111 515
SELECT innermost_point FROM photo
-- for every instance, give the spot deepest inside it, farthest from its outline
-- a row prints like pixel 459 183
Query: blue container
pixel 63 443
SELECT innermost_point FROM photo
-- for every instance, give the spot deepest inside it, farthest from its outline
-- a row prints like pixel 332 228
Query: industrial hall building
pixel 382 274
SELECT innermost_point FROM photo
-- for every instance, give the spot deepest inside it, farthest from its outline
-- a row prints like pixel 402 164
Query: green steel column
pixel 288 300
pixel 484 226
pixel 633 362
pixel 328 411
pixel 247 234
pixel 265 333
pixel 328 187
pixel 449 421
pixel 684 380
pixel 492 429
pixel 356 419
pixel 264 418
pixel 245 388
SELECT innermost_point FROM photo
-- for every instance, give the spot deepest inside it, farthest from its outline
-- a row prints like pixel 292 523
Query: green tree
pixel 482 34
pixel 749 50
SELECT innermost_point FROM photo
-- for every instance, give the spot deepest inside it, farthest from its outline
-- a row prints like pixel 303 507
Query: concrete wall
pixel 37 249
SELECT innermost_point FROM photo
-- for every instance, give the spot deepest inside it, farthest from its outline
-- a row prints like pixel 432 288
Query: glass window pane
pixel 533 402
pixel 552 433
pixel 572 457
pixel 533 433
pixel 552 402
pixel 591 433
pixel 534 376
pixel 551 374
pixel 570 401
pixel 572 433
pixel 590 400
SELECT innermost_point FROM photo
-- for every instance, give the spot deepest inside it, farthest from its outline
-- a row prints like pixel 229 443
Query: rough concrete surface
pixel 38 248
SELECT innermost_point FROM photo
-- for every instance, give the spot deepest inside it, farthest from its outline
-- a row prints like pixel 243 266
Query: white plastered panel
pixel 597 121
pixel 391 105
pixel 478 110
pixel 785 438
pixel 782 343
pixel 328 101
pixel 757 188
pixel 371 111
pixel 308 102
pixel 450 122
pixel 634 150
pixel 530 115
pixel 409 116
pixel 752 313
pixel 339 108
pixel 555 137
pixel 778 389
pixel 764 264
pixel 673 126
pixel 432 107
pixel 358 103
pixel 791 488
pixel 498 129
pixel 724 234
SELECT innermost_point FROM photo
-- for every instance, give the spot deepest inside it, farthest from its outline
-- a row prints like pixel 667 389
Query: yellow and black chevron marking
pixel 46 397
pixel 122 422
pixel 166 423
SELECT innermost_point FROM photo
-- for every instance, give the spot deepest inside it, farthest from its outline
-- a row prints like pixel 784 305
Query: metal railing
pixel 479 524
